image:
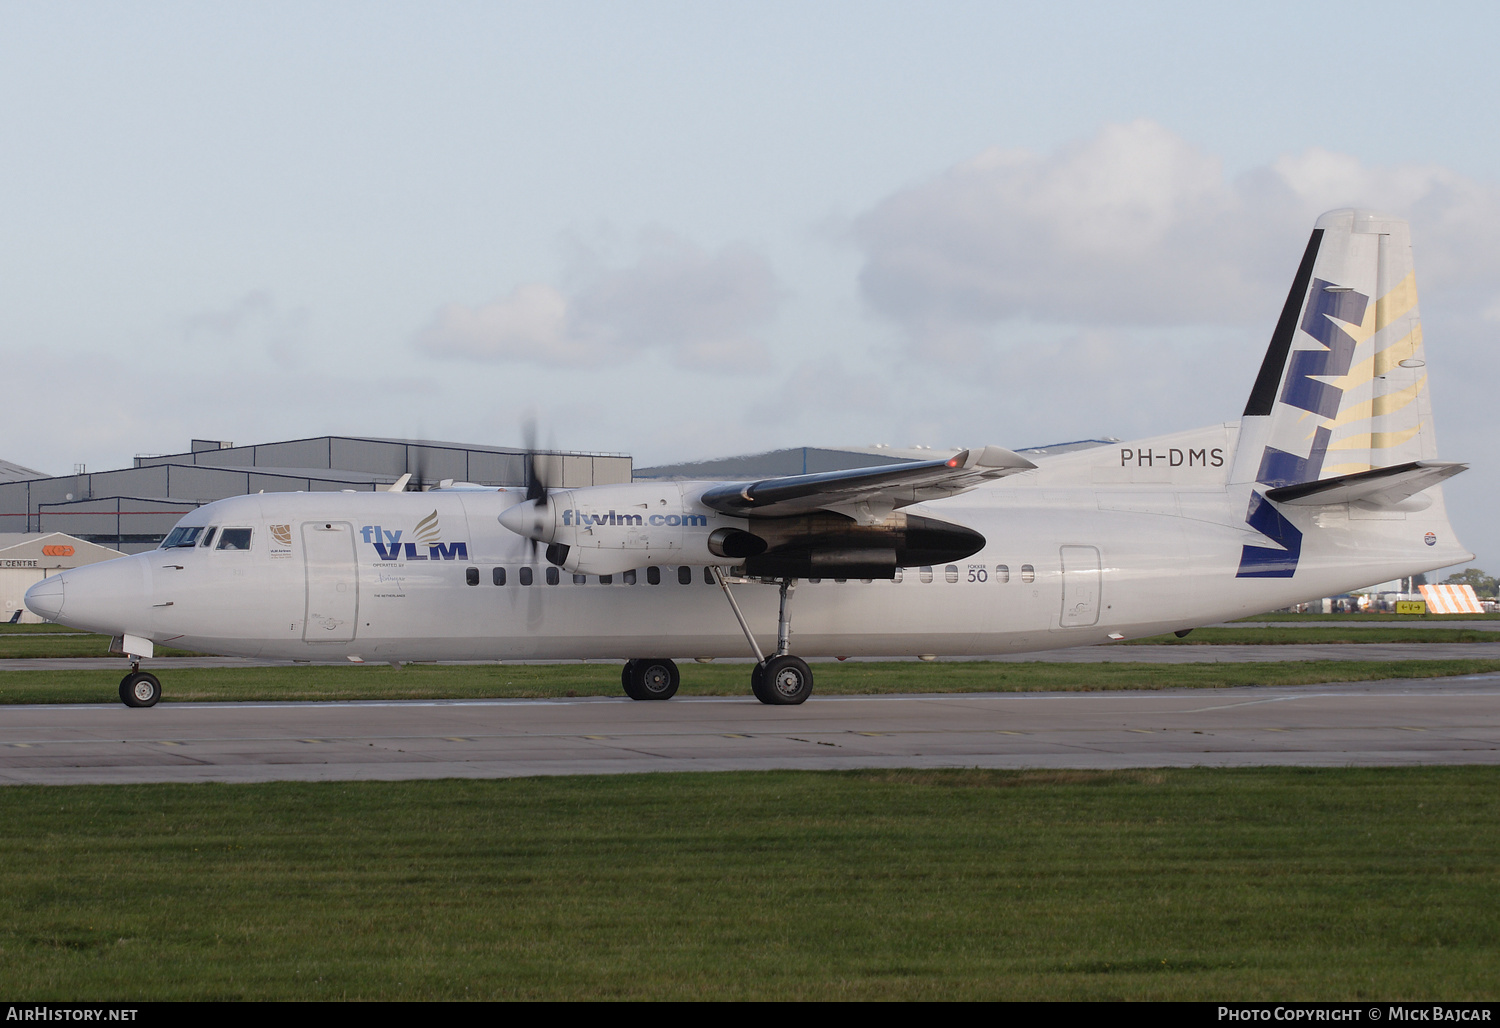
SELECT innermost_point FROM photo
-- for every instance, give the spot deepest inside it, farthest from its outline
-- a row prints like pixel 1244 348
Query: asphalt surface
pixel 1399 722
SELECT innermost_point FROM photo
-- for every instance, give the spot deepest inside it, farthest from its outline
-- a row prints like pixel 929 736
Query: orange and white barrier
pixel 1451 599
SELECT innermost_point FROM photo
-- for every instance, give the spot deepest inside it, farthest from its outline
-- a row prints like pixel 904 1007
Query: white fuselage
pixel 1091 546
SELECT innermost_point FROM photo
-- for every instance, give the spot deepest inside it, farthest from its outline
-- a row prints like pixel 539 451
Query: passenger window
pixel 896 578
pixel 553 577
pixel 628 577
pixel 950 573
pixel 580 579
pixel 925 575
pixel 684 575
pixel 653 575
pixel 1002 573
pixel 498 576
pixel 708 576
pixel 867 581
pixel 814 581
pixel 234 539
pixel 525 576
pixel 839 581
pixel 208 537
pixel 1028 573
pixel 606 579
pixel 471 575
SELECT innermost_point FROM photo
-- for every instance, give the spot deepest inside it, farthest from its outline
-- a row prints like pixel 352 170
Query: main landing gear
pixel 139 688
pixel 650 678
pixel 780 679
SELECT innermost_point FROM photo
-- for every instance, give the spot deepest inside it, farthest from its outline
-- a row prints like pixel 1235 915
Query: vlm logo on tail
pixel 1305 389
pixel 1341 393
pixel 428 535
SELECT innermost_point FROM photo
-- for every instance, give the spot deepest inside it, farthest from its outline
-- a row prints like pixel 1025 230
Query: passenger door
pixel 332 582
pixel 1080 586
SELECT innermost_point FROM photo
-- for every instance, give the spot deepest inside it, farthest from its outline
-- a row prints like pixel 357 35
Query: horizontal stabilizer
pixel 1382 487
pixel 866 494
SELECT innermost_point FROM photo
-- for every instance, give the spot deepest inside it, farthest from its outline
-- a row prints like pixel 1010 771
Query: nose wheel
pixel 140 689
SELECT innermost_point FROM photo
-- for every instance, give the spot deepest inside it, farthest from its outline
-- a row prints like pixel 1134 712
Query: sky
pixel 688 230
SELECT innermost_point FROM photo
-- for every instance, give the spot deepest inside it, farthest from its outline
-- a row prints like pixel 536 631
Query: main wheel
pixel 140 689
pixel 758 682
pixel 784 681
pixel 652 678
pixel 627 678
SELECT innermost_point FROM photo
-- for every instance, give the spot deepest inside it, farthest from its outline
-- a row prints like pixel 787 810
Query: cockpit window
pixel 234 539
pixel 208 537
pixel 181 536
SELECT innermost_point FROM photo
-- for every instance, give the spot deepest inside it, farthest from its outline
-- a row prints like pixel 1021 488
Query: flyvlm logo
pixel 585 520
pixel 428 533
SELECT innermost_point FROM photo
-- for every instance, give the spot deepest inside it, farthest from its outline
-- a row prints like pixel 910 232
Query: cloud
pixel 529 324
pixel 254 319
pixel 699 308
pixel 1137 227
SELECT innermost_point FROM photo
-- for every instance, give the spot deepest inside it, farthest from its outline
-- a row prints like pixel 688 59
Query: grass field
pixel 53 641
pixel 1179 884
pixel 58 645
pixel 490 681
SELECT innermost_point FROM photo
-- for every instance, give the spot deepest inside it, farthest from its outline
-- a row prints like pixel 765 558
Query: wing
pixel 868 495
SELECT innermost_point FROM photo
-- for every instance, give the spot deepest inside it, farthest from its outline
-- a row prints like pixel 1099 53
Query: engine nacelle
pixel 609 529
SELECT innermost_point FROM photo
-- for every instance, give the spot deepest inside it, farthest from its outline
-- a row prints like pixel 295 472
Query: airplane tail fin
pixel 1343 388
pixel 1340 413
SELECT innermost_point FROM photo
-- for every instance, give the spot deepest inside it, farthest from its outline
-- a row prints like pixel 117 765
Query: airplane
pixel 1327 482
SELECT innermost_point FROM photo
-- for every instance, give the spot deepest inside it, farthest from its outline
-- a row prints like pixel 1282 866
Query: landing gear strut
pixel 650 678
pixel 781 679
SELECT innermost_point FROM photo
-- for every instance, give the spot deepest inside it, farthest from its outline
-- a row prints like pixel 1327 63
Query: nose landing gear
pixel 139 688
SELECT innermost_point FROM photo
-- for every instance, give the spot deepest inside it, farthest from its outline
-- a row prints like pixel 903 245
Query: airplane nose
pixel 45 599
pixel 112 596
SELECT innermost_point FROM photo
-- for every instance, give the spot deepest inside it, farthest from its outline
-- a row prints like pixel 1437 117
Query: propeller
pixel 537 489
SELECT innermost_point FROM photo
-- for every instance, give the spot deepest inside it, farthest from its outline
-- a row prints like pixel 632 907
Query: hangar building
pixel 132 509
